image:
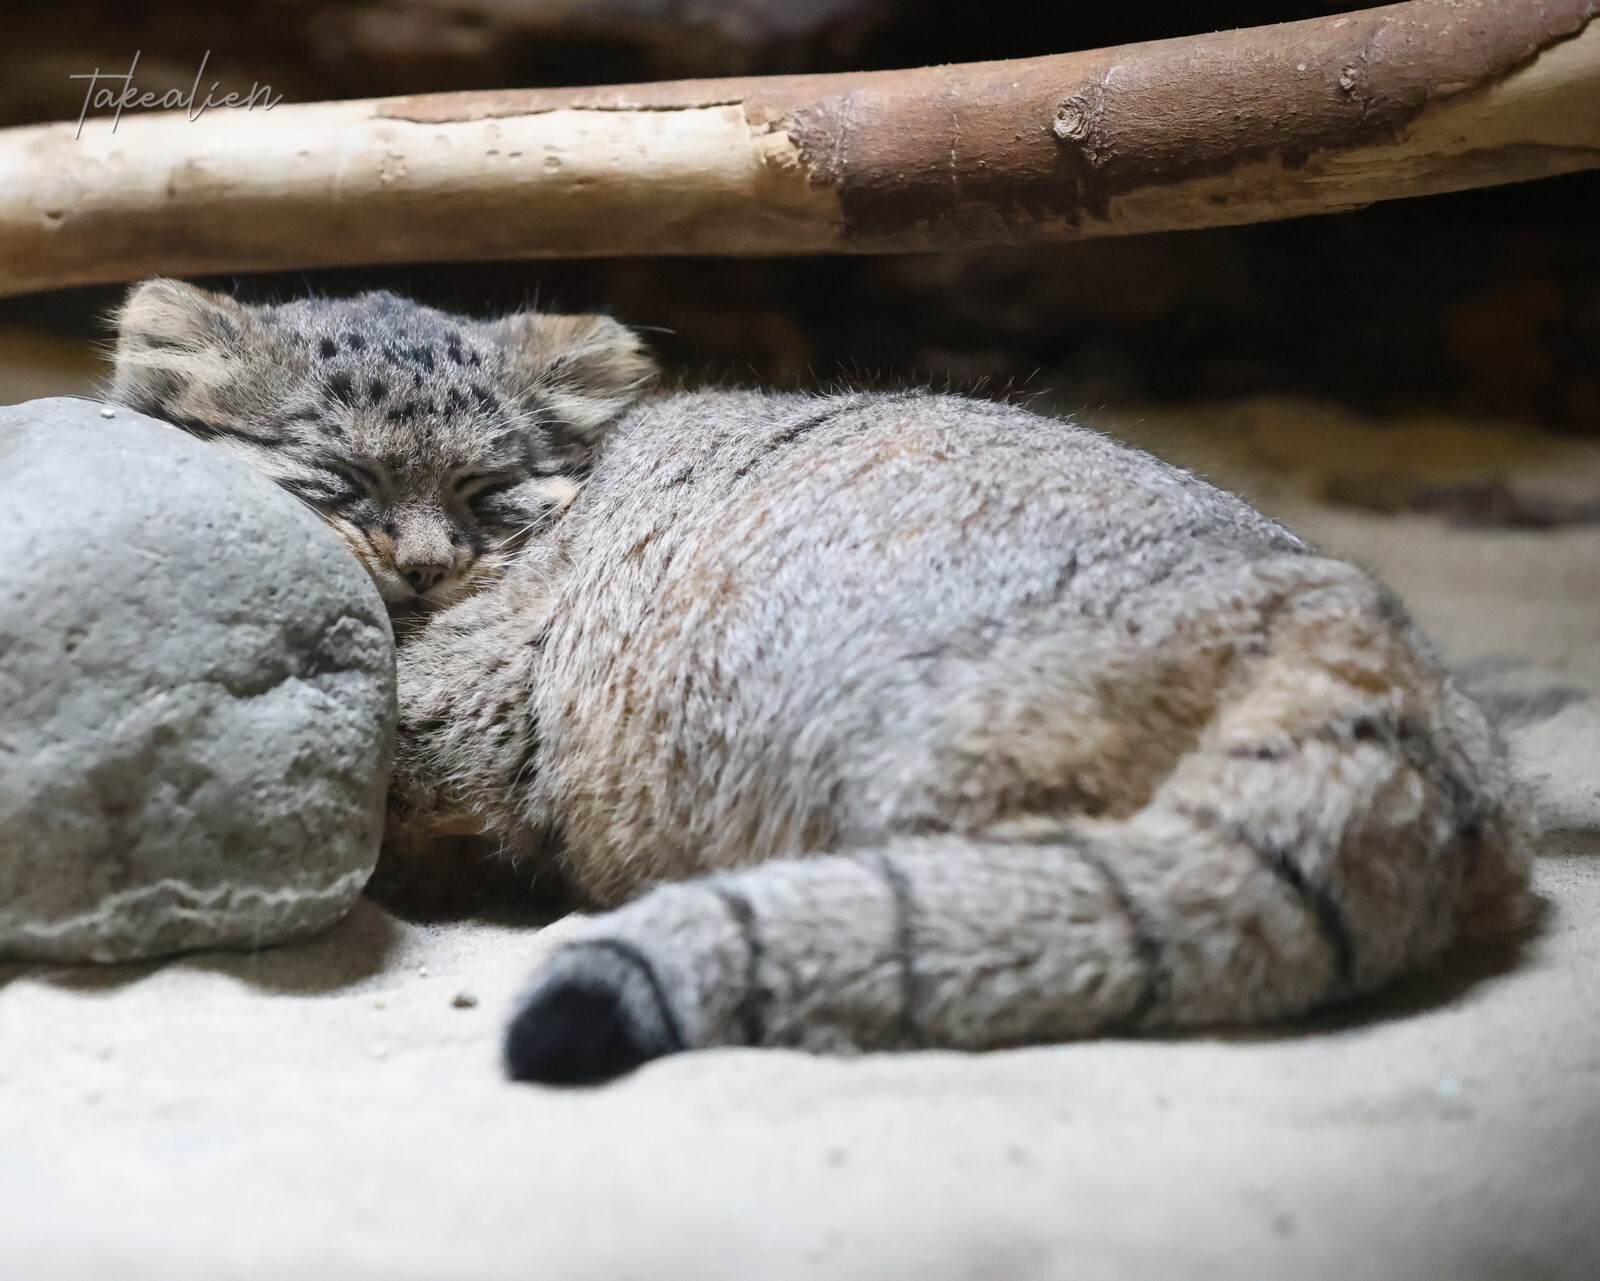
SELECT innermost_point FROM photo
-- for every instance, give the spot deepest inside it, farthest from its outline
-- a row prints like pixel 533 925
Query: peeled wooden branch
pixel 1233 127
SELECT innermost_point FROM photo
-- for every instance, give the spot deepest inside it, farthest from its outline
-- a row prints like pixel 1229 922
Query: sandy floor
pixel 335 1110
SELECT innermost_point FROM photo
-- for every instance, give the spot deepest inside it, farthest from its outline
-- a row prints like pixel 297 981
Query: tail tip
pixel 596 1013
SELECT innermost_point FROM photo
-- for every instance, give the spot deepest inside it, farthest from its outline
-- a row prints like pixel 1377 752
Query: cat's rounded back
pixel 788 616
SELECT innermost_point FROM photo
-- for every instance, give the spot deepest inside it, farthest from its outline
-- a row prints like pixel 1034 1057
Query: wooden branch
pixel 1233 127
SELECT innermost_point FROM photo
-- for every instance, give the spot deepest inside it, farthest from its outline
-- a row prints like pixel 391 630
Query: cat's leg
pixel 1343 816
pixel 455 838
pixel 468 733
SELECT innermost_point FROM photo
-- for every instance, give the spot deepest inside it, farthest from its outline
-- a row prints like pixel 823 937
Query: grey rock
pixel 196 696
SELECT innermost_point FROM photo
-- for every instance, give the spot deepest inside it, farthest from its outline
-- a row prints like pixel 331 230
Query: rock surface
pixel 196 696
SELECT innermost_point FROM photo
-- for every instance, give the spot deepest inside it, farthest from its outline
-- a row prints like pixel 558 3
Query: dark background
pixel 1484 304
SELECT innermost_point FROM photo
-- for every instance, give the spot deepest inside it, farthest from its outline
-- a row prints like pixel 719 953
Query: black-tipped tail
pixel 595 1011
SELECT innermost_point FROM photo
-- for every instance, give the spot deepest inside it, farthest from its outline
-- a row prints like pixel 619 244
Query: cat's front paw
pixel 595 1010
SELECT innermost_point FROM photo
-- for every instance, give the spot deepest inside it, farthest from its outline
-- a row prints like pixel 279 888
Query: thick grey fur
pixel 945 724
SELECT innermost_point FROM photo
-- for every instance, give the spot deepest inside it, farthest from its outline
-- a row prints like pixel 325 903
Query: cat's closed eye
pixel 474 487
pixel 355 478
pixel 327 489
pixel 335 486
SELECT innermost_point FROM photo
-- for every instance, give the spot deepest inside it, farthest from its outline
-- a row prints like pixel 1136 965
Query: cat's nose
pixel 422 577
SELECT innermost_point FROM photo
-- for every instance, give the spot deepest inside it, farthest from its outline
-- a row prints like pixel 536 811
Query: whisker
pixel 544 518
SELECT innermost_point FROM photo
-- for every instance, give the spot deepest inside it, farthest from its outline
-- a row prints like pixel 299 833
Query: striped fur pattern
pixel 891 721
pixel 434 444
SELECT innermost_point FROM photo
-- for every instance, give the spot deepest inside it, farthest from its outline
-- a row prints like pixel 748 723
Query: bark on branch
pixel 1232 127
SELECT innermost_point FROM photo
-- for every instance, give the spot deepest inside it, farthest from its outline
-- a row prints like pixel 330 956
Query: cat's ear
pixel 581 371
pixel 175 347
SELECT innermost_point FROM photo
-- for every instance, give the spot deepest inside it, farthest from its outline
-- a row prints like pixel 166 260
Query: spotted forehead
pixel 402 384
pixel 381 329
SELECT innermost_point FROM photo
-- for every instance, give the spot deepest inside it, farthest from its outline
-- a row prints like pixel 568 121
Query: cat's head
pixel 434 444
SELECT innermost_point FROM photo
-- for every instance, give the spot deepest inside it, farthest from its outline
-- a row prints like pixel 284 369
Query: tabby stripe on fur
pixel 878 721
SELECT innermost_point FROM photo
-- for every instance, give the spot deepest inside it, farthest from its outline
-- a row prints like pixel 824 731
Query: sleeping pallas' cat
pixel 880 720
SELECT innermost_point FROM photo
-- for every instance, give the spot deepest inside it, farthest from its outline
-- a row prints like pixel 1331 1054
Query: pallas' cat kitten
pixel 875 720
